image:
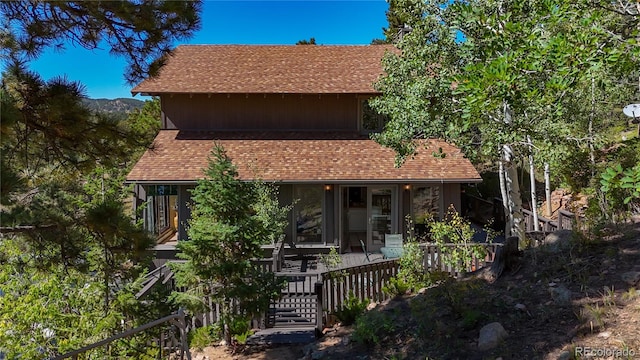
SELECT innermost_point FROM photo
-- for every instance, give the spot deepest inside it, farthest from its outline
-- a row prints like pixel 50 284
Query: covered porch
pixel 346 190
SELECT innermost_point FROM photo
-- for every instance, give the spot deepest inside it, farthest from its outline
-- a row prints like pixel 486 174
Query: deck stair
pixel 292 318
pixel 293 311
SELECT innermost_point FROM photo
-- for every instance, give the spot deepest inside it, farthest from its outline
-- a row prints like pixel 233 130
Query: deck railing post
pixel 560 225
pixel 319 321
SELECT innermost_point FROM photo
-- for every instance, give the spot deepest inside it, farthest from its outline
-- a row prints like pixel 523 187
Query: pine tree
pixel 226 232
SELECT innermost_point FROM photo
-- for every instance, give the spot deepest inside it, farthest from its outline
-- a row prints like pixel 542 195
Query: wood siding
pixel 451 196
pixel 260 112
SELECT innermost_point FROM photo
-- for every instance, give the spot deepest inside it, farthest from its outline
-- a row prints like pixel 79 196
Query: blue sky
pixel 232 22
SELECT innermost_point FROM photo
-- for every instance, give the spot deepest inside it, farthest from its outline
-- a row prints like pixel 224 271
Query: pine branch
pixel 25 228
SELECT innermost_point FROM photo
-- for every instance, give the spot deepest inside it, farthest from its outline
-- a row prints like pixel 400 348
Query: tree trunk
pixel 547 188
pixel 225 316
pixel 505 259
pixel 513 195
pixel 514 201
pixel 505 203
pixel 532 179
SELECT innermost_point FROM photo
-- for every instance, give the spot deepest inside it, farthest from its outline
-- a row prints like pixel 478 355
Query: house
pixel 297 116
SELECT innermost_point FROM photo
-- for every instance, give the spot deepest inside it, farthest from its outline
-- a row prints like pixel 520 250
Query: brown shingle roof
pixel 297 157
pixel 268 69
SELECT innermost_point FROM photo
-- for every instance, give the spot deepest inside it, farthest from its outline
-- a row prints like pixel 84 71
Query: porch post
pixel 329 210
pixel 184 213
pixel 319 322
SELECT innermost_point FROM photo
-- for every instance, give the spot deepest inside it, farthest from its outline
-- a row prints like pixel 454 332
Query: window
pixel 160 214
pixel 308 213
pixel 370 120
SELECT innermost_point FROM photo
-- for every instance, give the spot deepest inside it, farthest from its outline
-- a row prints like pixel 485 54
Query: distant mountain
pixel 120 106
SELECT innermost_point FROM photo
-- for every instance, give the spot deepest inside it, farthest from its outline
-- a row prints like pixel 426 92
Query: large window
pixel 308 213
pixel 160 213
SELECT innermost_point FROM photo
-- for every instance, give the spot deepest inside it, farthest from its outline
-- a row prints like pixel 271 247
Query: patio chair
pixel 393 247
pixel 364 249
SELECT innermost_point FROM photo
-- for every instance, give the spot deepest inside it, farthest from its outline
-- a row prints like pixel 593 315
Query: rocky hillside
pixel 114 106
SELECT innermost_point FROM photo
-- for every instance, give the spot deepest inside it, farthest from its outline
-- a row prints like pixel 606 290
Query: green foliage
pixel 396 286
pixel 71 259
pixel 274 217
pixel 454 237
pixel 352 308
pixel 455 294
pixel 400 12
pixel 471 318
pixel 141 32
pixel 621 187
pixel 411 273
pixel 47 312
pixel 225 233
pixel 242 338
pixel 331 260
pixel 372 327
pixel 204 336
pixel 554 65
pixel 411 269
pixel 311 41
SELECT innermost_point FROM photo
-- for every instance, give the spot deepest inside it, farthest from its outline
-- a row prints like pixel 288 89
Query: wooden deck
pixel 312 263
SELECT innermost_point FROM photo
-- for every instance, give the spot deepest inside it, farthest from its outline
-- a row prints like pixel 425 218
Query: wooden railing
pixel 278 255
pixel 565 220
pixel 434 260
pixel 275 262
pixel 364 281
pixel 160 275
pixel 477 209
pixel 544 224
pixel 177 346
pixel 315 295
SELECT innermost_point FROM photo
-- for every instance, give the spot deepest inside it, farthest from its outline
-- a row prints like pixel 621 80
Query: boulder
pixel 560 295
pixel 631 277
pixel 491 335
pixel 565 355
pixel 558 240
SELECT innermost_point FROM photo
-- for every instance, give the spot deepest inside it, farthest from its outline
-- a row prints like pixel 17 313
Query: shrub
pixel 205 336
pixel 351 310
pixel 396 287
pixel 372 327
pixel 238 325
pixel 454 237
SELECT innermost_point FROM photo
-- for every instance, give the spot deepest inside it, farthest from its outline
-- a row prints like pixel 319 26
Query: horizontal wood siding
pixel 260 112
pixel 451 195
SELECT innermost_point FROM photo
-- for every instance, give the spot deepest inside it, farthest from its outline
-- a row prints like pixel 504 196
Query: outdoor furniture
pixel 364 249
pixel 392 246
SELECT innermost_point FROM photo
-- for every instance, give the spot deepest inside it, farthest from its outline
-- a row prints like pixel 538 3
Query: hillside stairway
pixel 292 318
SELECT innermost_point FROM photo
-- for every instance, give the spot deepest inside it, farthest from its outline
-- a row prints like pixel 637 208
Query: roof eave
pixel 322 181
pixel 158 93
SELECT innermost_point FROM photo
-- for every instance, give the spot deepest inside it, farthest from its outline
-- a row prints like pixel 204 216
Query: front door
pixel 368 212
pixel 382 210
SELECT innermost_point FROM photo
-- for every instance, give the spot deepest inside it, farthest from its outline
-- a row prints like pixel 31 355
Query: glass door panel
pixel 382 213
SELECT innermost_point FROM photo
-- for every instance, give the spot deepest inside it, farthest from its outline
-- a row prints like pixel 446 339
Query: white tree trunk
pixel 505 202
pixel 514 201
pixel 513 194
pixel 547 187
pixel 532 179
